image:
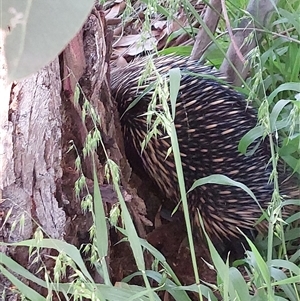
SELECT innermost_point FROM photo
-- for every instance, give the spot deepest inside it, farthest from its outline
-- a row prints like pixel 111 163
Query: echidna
pixel 211 118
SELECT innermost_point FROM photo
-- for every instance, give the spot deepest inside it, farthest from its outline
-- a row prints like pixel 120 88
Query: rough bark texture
pixel 36 133
pixel 30 159
pixel 37 168
pixel 90 63
pixel 6 146
pixel 36 182
pixel 95 87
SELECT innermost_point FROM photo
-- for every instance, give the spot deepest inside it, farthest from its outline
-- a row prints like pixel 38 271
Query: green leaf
pixel 60 246
pixel 175 76
pixel 222 180
pixel 249 137
pixel 292 162
pixel 38 31
pixel 240 286
pixel 293 18
pixel 286 265
pixel 18 269
pixel 284 87
pixel 23 288
pixel 100 220
pixel 221 267
pixel 260 266
pixel 285 282
pixel 177 50
pixel 276 111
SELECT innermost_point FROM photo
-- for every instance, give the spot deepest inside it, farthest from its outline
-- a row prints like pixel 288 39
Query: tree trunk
pixel 37 123
pixel 30 158
pixel 32 154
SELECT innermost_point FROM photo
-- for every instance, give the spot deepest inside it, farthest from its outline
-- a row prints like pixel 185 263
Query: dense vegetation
pixel 272 262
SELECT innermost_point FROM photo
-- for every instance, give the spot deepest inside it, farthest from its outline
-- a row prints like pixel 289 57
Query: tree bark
pixel 30 125
pixel 37 123
pixel 32 154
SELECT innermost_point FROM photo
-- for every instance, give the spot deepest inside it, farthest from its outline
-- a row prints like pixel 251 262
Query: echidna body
pixel 211 119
